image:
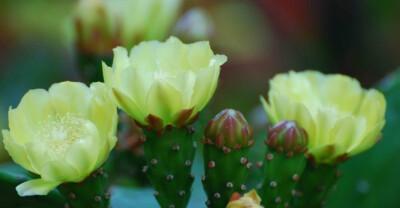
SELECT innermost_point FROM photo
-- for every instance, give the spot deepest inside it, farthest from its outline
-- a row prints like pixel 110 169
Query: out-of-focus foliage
pixel 371 179
pixel 3 154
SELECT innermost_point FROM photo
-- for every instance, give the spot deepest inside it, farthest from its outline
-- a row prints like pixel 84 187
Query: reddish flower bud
pixel 287 137
pixel 229 129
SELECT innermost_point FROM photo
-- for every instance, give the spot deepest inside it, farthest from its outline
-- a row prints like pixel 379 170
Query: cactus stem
pixel 169 154
pixel 90 193
pixel 315 184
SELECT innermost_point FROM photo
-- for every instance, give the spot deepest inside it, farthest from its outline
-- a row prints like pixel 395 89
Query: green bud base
pixel 282 172
pixel 315 184
pixel 169 156
pixel 226 172
pixel 90 193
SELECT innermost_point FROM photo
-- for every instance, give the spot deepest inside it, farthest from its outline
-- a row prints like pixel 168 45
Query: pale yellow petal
pixel 70 97
pixel 371 138
pixel 103 111
pixel 121 59
pixel 34 107
pixel 61 171
pixel 17 152
pixel 130 106
pixel 164 101
pixel 199 55
pixel 204 87
pixel 36 187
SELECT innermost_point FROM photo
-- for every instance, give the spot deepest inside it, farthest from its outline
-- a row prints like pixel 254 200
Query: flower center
pixel 59 132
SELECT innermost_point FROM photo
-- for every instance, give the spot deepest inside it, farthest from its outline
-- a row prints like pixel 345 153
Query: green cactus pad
pixel 316 182
pixel 90 193
pixel 281 176
pixel 169 157
pixel 226 171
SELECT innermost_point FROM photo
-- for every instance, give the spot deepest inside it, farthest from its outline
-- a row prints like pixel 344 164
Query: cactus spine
pixel 90 193
pixel 169 155
pixel 228 138
pixel 284 163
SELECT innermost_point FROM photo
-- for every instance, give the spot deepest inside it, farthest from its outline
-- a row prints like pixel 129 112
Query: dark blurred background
pixel 360 38
pixel 261 38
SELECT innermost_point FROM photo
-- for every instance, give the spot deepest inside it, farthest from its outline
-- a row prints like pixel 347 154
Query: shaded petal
pixel 121 59
pixel 206 84
pixel 17 152
pixel 71 97
pixel 103 111
pixel 199 54
pixel 342 92
pixel 347 133
pixel 84 154
pixel 373 108
pixel 370 139
pixel 129 106
pixel 108 75
pixel 326 120
pixel 60 170
pixel 36 187
pixel 34 108
pixel 38 153
pixel 164 101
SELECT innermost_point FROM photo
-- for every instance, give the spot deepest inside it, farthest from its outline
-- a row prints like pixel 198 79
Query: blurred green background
pixel 360 38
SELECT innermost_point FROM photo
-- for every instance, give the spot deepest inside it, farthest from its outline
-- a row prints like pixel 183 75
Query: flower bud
pixel 287 137
pixel 229 129
pixel 249 200
pixel 62 134
pixel 93 28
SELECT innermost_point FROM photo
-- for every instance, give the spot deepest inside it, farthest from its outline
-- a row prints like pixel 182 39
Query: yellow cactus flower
pixel 249 200
pixel 341 118
pixel 62 134
pixel 144 19
pixel 100 25
pixel 94 27
pixel 164 83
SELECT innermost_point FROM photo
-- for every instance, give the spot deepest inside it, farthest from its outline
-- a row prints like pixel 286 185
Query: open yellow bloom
pixel 62 134
pixel 248 200
pixel 171 81
pixel 341 118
